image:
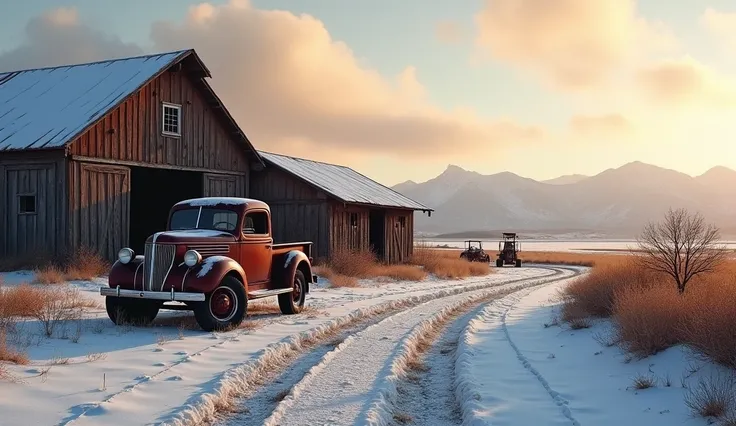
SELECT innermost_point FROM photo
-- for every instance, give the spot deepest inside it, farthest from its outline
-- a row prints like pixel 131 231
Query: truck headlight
pixel 192 258
pixel 125 255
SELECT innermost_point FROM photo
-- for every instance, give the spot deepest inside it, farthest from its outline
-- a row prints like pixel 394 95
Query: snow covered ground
pixel 114 374
pixel 500 363
pixel 515 368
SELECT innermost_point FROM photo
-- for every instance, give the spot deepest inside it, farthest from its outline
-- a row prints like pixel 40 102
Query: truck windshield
pixel 204 218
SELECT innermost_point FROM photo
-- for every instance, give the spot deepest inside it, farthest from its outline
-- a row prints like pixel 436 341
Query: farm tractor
pixel 474 252
pixel 507 251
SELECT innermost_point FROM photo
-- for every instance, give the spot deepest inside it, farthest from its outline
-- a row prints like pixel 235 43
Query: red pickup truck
pixel 215 256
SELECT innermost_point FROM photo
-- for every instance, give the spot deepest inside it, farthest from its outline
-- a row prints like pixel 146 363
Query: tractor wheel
pixel 224 307
pixel 518 263
pixel 499 263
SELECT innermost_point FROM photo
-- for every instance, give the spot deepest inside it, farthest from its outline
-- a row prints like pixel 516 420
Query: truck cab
pixel 215 255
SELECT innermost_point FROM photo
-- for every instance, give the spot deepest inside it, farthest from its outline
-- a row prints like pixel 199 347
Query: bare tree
pixel 681 246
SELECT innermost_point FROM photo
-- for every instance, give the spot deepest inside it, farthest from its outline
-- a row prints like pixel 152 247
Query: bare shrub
pixel 647 320
pixel 682 246
pixel 8 354
pixel 86 264
pixel 714 397
pixel 50 274
pixel 708 326
pixel 58 307
pixel 593 294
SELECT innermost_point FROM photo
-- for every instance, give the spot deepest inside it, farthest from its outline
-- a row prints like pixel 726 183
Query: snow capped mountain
pixel 617 200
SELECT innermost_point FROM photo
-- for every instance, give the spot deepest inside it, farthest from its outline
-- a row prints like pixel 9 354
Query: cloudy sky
pixel 400 89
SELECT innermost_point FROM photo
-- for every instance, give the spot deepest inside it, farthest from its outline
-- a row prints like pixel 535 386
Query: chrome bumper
pixel 155 295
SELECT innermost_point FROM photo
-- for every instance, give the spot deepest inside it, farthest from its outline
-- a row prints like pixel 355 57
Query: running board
pixel 259 294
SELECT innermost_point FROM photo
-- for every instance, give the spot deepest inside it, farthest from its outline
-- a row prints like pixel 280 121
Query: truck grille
pixel 211 249
pixel 157 262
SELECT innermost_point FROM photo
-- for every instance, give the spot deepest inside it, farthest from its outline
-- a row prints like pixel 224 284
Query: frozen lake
pixel 551 245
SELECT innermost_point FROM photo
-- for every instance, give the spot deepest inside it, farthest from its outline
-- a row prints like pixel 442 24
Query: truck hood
pixel 192 236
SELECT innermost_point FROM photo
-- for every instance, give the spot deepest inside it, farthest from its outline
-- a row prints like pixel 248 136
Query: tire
pixel 223 308
pixel 140 312
pixel 292 303
pixel 518 263
pixel 499 263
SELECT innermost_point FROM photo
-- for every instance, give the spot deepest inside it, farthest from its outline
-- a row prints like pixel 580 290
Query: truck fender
pixel 128 276
pixel 206 276
pixel 295 259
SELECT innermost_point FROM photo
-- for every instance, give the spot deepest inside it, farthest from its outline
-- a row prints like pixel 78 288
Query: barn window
pixel 171 119
pixel 27 204
pixel 256 223
pixel 402 221
pixel 354 220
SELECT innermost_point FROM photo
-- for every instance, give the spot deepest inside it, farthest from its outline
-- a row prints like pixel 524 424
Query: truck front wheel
pixel 224 307
pixel 292 303
pixel 131 311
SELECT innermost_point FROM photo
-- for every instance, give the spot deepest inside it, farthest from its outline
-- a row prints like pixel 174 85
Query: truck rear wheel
pixel 122 310
pixel 292 303
pixel 224 307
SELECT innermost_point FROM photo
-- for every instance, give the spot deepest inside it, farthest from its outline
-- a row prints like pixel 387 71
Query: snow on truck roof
pixel 342 182
pixel 213 201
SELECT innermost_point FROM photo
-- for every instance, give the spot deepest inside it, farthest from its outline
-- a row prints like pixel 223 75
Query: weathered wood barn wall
pixel 335 207
pixel 140 132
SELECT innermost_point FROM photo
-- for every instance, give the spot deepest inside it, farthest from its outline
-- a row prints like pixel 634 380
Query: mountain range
pixel 617 201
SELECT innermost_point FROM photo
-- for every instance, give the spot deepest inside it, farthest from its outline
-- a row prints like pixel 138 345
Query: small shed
pixel 95 154
pixel 335 207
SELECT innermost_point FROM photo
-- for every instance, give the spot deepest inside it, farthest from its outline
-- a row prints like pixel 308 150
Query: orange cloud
pixel 291 86
pixel 686 82
pixel 449 32
pixel 601 126
pixel 575 44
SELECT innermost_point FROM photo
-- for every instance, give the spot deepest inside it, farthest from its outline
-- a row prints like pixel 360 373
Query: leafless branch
pixel 681 246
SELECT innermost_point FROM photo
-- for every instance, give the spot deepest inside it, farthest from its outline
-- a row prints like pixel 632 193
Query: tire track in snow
pixel 428 396
pixel 556 397
pixel 341 387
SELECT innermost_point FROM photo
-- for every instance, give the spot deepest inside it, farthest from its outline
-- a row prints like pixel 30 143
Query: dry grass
pixel 346 267
pixel 650 315
pixel 713 398
pixel 83 265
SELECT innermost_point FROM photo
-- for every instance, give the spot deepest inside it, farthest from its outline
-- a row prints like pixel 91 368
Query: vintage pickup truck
pixel 215 256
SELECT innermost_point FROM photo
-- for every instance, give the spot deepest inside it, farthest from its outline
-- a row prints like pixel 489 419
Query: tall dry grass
pixel 649 314
pixel 347 266
pixel 50 306
pixel 82 265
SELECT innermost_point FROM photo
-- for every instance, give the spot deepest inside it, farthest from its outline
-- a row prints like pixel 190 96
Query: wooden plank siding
pixel 299 212
pixel 219 185
pixel 133 131
pixel 399 235
pixel 40 176
pixel 349 227
pixel 99 207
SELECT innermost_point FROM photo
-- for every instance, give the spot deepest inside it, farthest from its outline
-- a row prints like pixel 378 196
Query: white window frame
pixel 177 107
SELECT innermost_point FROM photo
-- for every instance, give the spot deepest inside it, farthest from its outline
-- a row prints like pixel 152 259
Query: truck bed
pixel 304 246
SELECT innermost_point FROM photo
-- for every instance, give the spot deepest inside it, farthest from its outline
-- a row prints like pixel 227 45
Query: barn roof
pixel 342 183
pixel 50 107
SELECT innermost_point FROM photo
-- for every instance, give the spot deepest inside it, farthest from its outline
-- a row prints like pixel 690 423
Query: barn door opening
pixel 153 192
pixel 377 233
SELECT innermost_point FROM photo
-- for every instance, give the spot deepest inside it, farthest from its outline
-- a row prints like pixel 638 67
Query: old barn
pixel 95 154
pixel 335 206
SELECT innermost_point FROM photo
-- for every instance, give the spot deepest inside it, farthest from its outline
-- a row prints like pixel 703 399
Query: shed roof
pixel 50 107
pixel 342 183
